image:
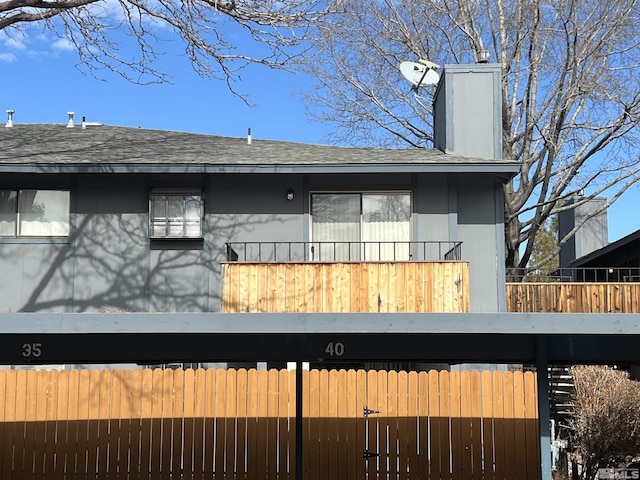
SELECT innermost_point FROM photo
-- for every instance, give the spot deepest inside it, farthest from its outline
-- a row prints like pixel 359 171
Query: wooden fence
pixel 240 425
pixel 346 287
pixel 573 297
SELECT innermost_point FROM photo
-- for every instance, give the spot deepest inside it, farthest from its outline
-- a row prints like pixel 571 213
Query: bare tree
pixel 605 426
pixel 570 91
pixel 209 29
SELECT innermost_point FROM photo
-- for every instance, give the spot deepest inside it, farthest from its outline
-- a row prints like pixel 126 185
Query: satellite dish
pixel 420 73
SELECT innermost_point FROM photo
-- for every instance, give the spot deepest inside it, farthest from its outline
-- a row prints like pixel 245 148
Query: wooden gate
pixel 240 425
pixel 410 425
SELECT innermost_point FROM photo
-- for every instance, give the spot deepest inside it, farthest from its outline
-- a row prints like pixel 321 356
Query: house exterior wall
pixel 109 264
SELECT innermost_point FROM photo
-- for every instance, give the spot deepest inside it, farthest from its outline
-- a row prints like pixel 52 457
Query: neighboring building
pixel 588 255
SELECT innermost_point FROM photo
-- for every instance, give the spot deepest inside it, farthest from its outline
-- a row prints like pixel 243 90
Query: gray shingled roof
pixel 55 148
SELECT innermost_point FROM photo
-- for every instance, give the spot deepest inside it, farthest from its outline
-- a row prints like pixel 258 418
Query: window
pixel 34 213
pixel 176 214
pixel 361 226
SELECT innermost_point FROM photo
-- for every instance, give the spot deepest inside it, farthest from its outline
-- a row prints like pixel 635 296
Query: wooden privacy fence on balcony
pixel 573 297
pixel 240 425
pixel 346 287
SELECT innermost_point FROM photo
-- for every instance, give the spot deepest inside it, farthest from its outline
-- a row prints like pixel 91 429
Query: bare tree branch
pixel 570 90
pixel 100 29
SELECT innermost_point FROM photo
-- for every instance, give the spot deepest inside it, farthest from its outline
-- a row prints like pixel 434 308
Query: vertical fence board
pixel 125 424
pixel 272 423
pixel 435 423
pixel 488 426
pixel 242 392
pixel 532 440
pixel 252 431
pixel 372 423
pixel 499 427
pixel 72 447
pixel 360 424
pixel 51 434
pixel 509 425
pixel 93 409
pixel 348 408
pixel 423 434
pixel 189 412
pixel 383 424
pixel 220 391
pixel 323 429
pixel 178 422
pixel 412 426
pixel 403 425
pixel 152 425
pixel 476 425
pixel 104 393
pixel 466 426
pixel 139 426
pixel 331 421
pixel 40 423
pixel 455 425
pixel 519 427
pixel 312 404
pixel 282 399
pixel 261 425
pixel 445 437
pixel 230 425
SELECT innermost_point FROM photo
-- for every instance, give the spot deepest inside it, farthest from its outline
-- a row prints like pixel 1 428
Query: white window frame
pixel 181 226
pixel 56 227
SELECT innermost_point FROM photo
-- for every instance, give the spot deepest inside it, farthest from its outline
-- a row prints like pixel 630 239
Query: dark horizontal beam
pixel 159 338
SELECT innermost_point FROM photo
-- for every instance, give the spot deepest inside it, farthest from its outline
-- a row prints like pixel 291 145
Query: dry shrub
pixel 605 428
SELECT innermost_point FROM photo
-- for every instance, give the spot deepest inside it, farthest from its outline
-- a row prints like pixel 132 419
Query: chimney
pixel 70 123
pixel 591 236
pixel 467 109
pixel 249 136
pixel 10 118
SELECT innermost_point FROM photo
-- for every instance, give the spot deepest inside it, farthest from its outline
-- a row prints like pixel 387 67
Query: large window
pixel 34 213
pixel 361 226
pixel 176 214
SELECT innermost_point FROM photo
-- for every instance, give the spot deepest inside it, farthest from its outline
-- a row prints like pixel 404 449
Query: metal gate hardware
pixel 367 411
pixel 366 454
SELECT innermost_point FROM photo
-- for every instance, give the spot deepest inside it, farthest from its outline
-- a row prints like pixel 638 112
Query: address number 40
pixel 335 349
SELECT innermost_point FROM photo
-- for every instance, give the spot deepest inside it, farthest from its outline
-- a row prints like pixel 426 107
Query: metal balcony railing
pixel 384 251
pixel 592 274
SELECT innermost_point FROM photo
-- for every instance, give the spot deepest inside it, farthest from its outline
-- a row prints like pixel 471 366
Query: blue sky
pixel 40 81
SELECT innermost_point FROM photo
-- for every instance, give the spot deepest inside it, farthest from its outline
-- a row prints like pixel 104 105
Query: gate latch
pixel 366 411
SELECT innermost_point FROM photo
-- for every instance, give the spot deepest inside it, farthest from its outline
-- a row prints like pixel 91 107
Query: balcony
pixel 331 277
pixel 575 290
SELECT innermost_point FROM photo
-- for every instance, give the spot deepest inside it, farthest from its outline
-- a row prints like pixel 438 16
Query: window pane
pixel 158 216
pixel 8 213
pixel 44 213
pixel 386 223
pixel 193 217
pixel 336 220
pixel 175 210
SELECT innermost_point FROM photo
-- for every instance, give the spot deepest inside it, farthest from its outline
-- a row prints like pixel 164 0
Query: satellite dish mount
pixel 420 74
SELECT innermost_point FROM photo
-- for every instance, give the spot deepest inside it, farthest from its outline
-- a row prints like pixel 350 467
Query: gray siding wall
pixel 110 264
